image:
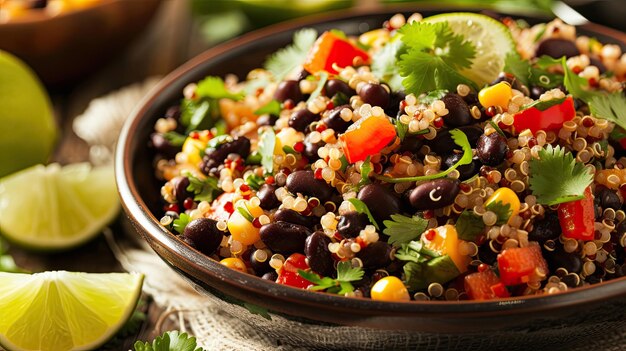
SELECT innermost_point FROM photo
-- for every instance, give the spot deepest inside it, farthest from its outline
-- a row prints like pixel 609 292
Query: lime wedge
pixel 492 40
pixel 61 311
pixel 52 208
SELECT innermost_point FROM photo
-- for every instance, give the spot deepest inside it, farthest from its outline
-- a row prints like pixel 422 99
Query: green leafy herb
pixel 385 65
pixel 170 341
pixel 175 139
pixel 461 140
pixel 611 107
pixel 469 225
pixel 255 181
pixel 341 286
pixel 556 177
pixel 272 108
pixel 218 140
pixel 214 88
pixel 432 96
pixel 366 168
pixel 339 33
pixel 415 251
pixel 402 229
pixel 401 129
pixel 243 210
pixel 575 84
pixel 496 127
pixel 195 113
pixel 289 150
pixel 285 60
pixel 502 211
pixel 181 222
pixel 221 128
pixel 544 105
pixel 540 34
pixel 361 207
pixel 433 57
pixel 203 189
pixel 254 158
pixel 267 142
pixel 517 66
pixel 320 85
pixel 340 99
pixel 437 270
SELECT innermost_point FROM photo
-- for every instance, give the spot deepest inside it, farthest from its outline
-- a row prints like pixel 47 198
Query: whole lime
pixel 27 127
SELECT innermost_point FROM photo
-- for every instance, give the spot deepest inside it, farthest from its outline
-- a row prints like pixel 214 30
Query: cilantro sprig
pixel 469 225
pixel 611 107
pixel 366 168
pixel 169 341
pixel 361 207
pixel 181 222
pixel 285 60
pixel 555 177
pixel 402 229
pixel 341 285
pixel 424 266
pixel 267 142
pixel 203 189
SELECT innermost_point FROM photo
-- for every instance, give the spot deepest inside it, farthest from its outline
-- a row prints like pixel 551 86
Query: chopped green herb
pixel 432 96
pixel 517 66
pixel 401 129
pixel 272 108
pixel 556 177
pixel 256 309
pixel 320 85
pixel 175 139
pixel 361 207
pixel 203 189
pixel 402 229
pixel 220 127
pixel 469 225
pixel 340 99
pixel 219 140
pixel 181 222
pixel 544 105
pixel 267 142
pixel 214 88
pixel 345 274
pixel 576 85
pixel 285 60
pixel 169 341
pixel 289 150
pixel 385 65
pixel 254 181
pixel 243 210
pixel 437 270
pixel 611 107
pixel 496 127
pixel 366 168
pixel 502 211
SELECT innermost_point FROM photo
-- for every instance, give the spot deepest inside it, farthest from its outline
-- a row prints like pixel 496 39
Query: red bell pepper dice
pixel 329 49
pixel 551 118
pixel 577 218
pixel 518 265
pixel 484 286
pixel 288 273
pixel 367 137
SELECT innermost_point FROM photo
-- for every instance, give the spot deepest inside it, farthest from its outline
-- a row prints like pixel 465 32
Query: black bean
pixel 319 257
pixel 547 228
pixel 458 111
pixel 163 146
pixel 375 255
pixel 270 276
pixel 310 150
pixel 491 149
pixel 351 223
pixel 381 201
pixel 202 234
pixel 444 145
pixel 334 121
pixel 215 157
pixel 434 194
pixel 375 95
pixel 411 143
pixel 556 48
pixel 486 254
pixel 512 80
pixel 608 199
pixel 334 86
pixel 268 197
pixel 173 112
pixel 394 103
pixel 172 214
pixel 260 267
pixel 562 259
pixel 300 119
pixel 304 182
pixel 288 90
pixel 471 98
pixel 291 216
pixel 180 189
pixel 266 120
pixel 284 238
pixel 536 91
pixel 466 171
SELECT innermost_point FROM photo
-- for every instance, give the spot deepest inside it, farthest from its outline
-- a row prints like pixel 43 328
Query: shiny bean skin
pixel 319 257
pixel 608 198
pixel 213 158
pixel 351 224
pixel 381 201
pixel 546 228
pixel 375 95
pixel 458 111
pixel 444 145
pixel 334 121
pixel 291 216
pixel 284 238
pixel 304 182
pixel 310 150
pixel 268 197
pixel 288 90
pixel 259 267
pixel 491 149
pixel 556 48
pixel 434 194
pixel 465 171
pixel 266 120
pixel 300 120
pixel 202 234
pixel 396 98
pixel 163 146
pixel 411 143
pixel 375 255
pixel 334 86
pixel 511 79
pixel 560 258
pixel 180 189
pixel 272 275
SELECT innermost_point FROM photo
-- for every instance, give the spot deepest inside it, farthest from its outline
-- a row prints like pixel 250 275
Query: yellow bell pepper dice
pixel 505 196
pixel 192 148
pixel 390 289
pixel 234 263
pixel 242 230
pixel 496 95
pixel 446 241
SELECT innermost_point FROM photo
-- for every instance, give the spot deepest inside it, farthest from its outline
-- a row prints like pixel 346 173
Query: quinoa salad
pixel 454 157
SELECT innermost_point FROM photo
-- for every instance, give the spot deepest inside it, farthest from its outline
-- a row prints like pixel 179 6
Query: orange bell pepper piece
pixel 331 49
pixel 367 137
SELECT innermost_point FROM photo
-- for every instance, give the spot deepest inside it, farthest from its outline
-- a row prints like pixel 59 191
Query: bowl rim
pixel 139 213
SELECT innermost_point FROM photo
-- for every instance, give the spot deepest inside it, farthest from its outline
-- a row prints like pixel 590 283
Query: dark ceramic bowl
pixel 320 320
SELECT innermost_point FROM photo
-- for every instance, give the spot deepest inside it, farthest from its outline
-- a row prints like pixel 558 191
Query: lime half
pixel 54 207
pixel 60 311
pixel 492 40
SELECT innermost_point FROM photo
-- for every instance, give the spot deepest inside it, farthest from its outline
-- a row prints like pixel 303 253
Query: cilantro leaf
pixel 461 140
pixel 320 85
pixel 170 341
pixel 503 211
pixel 432 96
pixel 576 85
pixel 267 142
pixel 402 229
pixel 214 88
pixel 424 72
pixel 361 207
pixel 347 273
pixel 341 286
pixel 401 129
pixel 181 222
pixel 203 189
pixel 469 225
pixel 255 181
pixel 517 66
pixel 544 105
pixel 611 107
pixel 437 270
pixel 272 108
pixel 243 210
pixel 175 139
pixel 366 168
pixel 385 64
pixel 285 60
pixel 556 177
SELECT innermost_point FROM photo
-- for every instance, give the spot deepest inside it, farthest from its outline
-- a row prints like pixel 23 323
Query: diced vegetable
pixel 242 230
pixel 552 118
pixel 288 273
pixel 367 137
pixel 617 177
pixel 389 289
pixel 484 286
pixel 446 242
pixel 222 207
pixel 193 149
pixel 331 49
pixel 235 263
pixel 577 218
pixel 496 95
pixel 498 201
pixel 521 264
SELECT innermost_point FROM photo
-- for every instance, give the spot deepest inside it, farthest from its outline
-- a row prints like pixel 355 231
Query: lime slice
pixel 28 131
pixel 60 311
pixel 52 208
pixel 492 40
